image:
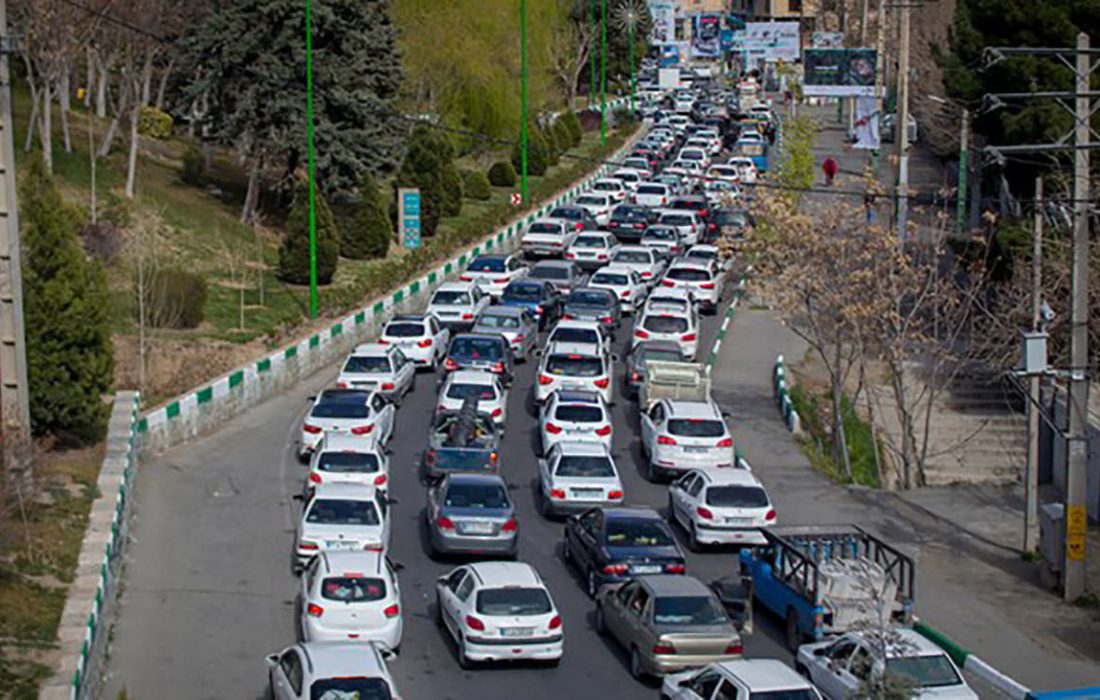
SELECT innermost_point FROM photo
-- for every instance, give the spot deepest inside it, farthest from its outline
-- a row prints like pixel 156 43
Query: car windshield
pixel 589 298
pixel 341 409
pixel 574 366
pixel 353 588
pixel 688 610
pixel 484 264
pixel 665 324
pixel 650 355
pixel 637 533
pixel 367 365
pixel 498 321
pixel 404 330
pixel 737 497
pixel 610 278
pixel 592 201
pixel 453 298
pixel 702 254
pixel 924 671
pixel 545 228
pixel 526 292
pixel 477 348
pixel 343 688
pixel 793 694
pixel 468 391
pixel 567 213
pixel 590 242
pixel 575 335
pixel 550 272
pixel 579 414
pixel 628 214
pixel 513 602
pixel 476 496
pixel 691 155
pixel 632 256
pixel 607 186
pixel 339 511
pixel 696 427
pixel 591 466
pixel 688 274
pixel 348 462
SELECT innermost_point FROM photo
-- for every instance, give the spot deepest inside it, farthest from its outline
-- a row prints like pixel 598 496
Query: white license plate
pixel 738 521
pixel 478 528
pixel 340 544
pixel 516 631
pixel 696 450
pixel 646 569
pixel 586 493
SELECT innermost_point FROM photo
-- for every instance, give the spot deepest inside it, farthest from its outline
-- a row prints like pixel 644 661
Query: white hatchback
pixel 342 459
pixel 422 338
pixel 492 397
pixel 652 194
pixel 687 222
pixel 678 436
pixel 576 476
pixel 574 416
pixel 492 273
pixel 342 517
pixel 592 249
pixel 598 204
pixel 351 597
pixel 626 284
pixel 574 366
pixel 746 167
pixel 721 506
pixel 547 238
pixel 612 188
pixel 366 415
pixel 581 332
pixel 666 322
pixel 700 277
pixel 630 178
pixel 642 259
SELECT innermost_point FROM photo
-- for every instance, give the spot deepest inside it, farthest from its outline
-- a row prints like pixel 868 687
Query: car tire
pixel 464 662
pixel 591 585
pixel 566 551
pixel 793 636
pixel 600 623
pixel 693 538
pixel 636 669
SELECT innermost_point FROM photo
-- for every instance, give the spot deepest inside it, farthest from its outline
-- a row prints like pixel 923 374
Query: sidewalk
pixel 972 588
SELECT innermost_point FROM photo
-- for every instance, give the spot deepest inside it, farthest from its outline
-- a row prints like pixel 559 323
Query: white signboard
pixel 668 78
pixel 771 41
pixel 663 13
pixel 867 137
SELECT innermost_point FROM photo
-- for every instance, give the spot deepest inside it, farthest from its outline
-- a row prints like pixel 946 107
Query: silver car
pixel 472 514
pixel 515 323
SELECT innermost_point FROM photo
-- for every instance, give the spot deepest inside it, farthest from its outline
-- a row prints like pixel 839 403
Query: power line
pixel 111 19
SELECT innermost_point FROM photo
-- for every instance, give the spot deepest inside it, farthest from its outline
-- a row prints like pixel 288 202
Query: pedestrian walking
pixel 869 206
pixel 829 167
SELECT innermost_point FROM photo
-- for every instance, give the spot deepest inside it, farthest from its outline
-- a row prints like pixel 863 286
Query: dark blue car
pixel 608 545
pixel 541 299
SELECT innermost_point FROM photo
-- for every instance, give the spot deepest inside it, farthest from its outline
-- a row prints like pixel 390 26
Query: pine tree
pixel 422 168
pixel 70 358
pixel 369 233
pixel 452 190
pixel 538 157
pixel 294 253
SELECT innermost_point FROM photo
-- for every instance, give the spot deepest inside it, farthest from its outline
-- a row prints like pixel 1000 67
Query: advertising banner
pixel 839 72
pixel 827 40
pixel 867 135
pixel 772 41
pixel 706 36
pixel 663 13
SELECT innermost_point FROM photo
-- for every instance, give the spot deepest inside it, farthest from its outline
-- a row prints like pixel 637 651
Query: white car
pixel 351 597
pixel 652 194
pixel 708 254
pixel 342 517
pixel 694 154
pixel 367 415
pixel 499 611
pixel 684 104
pixel 574 416
pixel 673 299
pixel 640 165
pixel 700 277
pixel 679 122
pixel 343 459
pixel 382 368
pixel 692 170
pixel 642 259
pixel 422 338
pixel 664 239
pixel 630 178
pixel 329 670
pixel 703 143
pixel 742 679
pixel 485 386
pixel 725 173
pixel 680 435
pixel 721 506
pixel 592 249
pixel 685 221
pixel 746 168
pixel 547 238
pixel 457 304
pixel 713 139
pixel 667 322
pixel 674 182
pixel 573 366
pixel 615 189
pixel 576 476
pixel 581 332
pixel 624 282
pixel 598 204
pixel 492 273
pixel 840 667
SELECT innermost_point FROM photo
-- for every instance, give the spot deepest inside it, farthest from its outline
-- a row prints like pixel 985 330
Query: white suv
pixel 612 188
pixel 342 459
pixel 576 476
pixel 422 338
pixel 573 366
pixel 721 506
pixel 581 332
pixel 382 368
pixel 667 322
pixel 367 415
pixel 351 596
pixel 469 383
pixel 681 435
pixel 598 205
pixel 574 416
pixel 700 277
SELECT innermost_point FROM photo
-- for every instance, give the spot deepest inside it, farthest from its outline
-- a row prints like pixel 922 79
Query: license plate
pixel 516 631
pixel 339 544
pixel 646 569
pixel 478 528
pixel 696 450
pixel 586 493
pixel 738 521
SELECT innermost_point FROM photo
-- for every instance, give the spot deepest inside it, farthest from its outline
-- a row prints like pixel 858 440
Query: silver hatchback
pixel 472 514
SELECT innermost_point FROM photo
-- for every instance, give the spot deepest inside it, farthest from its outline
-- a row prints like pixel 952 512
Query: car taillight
pixel 616 569
pixel 578 226
pixel 602 383
pixel 450 364
pixel 426 343
pixel 647 274
pixel 314 477
pixel 519 338
pixel 510 525
pixel 467 317
pixel 493 457
pixel 614 494
pixel 704 513
pixel 392 611
pixel 675 569
pixel 465 278
pixel 687 337
pixel 601 256
pixel 362 430
pixel 474 623
pixel 380 480
pixel 341 385
pixel 387 386
pixel 663 648
pixel 725 442
pixel 770 515
pixel 703 213
pixel 706 285
pixel 555 622
pixel 639 225
pixel 383 341
pixel 429 457
pixel 668 283
pixel 538 309
pixel 734 648
pixel 665 440
pixel 625 294
pixel 496 412
pixel 640 334
pixel 604 430
pixel 444 523
pixel 497 367
pixel 312 429
pixel 570 256
pixel 663 201
pixel 500 280
pixel 634 376
pixel 310 546
pixel 567 317
pixel 374 547
pixel 545 379
pixel 315 610
pixel 553 429
pixel 557 493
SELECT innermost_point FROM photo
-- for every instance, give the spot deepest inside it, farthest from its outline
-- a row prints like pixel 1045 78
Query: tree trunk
pixel 101 85
pixel 253 194
pixel 840 437
pixel 135 117
pixel 45 123
pixel 89 76
pixel 32 123
pixel 122 106
pixel 63 100
pixel 163 87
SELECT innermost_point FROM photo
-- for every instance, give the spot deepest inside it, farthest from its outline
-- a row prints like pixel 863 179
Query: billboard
pixel 772 41
pixel 706 36
pixel 663 13
pixel 839 72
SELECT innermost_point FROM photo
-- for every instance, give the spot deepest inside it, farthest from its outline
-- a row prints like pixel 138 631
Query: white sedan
pixel 457 304
pixel 592 249
pixel 598 204
pixel 342 517
pixel 366 415
pixel 612 188
pixel 642 259
pixel 492 273
pixel 499 611
pixel 422 338
pixel 351 597
pixel 342 459
pixel 624 282
pixel 576 476
pixel 383 368
pixel 727 506
pixel 475 383
pixel 678 436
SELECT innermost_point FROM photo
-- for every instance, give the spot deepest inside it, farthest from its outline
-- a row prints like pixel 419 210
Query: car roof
pixel 608 179
pixel 902 642
pixel 524 282
pixel 577 290
pixel 478 479
pixel 673 584
pixel 490 256
pixel 694 409
pixel 499 310
pixel 590 325
pixel 344 396
pixel 729 477
pixel 455 287
pixel 495 337
pixel 472 376
pixel 583 349
pixel 552 263
pixel 408 317
pixel 589 449
pixel 337 560
pixel 763 675
pixel 616 268
pixel 497 574
pixel 372 350
pixel 578 396
pixel 355 492
pixel 347 443
pixel 336 659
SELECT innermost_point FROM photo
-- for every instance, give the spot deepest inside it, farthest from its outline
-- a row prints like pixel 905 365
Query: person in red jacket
pixel 829 167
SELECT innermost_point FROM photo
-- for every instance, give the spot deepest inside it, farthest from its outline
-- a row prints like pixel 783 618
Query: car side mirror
pixel 298 497
pixel 397 566
pixel 542 463
pixel 271 659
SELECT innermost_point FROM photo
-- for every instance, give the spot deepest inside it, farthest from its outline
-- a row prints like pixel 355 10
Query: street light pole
pixel 592 54
pixel 630 37
pixel 964 167
pixel 313 305
pixel 603 72
pixel 523 97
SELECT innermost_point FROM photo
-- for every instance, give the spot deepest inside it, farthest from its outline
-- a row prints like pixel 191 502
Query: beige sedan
pixel 666 623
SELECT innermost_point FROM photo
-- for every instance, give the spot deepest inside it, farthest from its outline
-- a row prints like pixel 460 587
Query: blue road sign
pixel 408 217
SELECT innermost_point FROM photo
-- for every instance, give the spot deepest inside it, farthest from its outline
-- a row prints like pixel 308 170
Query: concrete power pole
pixel 901 125
pixel 14 404
pixel 1031 478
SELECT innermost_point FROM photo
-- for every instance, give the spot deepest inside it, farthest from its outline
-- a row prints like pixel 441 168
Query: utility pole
pixel 901 124
pixel 14 403
pixel 603 72
pixel 523 98
pixel 880 84
pixel 964 167
pixel 1031 477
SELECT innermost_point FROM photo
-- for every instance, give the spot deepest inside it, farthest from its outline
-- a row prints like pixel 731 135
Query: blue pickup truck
pixel 828 579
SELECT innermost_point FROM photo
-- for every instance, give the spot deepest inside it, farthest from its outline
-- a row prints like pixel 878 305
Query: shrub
pixel 173 298
pixel 194 166
pixel 502 174
pixel 154 123
pixel 562 135
pixel 422 168
pixel 452 189
pixel 574 126
pixel 294 252
pixel 553 148
pixel 368 233
pixel 624 117
pixel 101 240
pixel 538 158
pixel 590 119
pixel 476 185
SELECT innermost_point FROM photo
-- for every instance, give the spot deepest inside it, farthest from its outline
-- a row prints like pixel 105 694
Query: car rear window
pixel 590 242
pixel 544 228
pixel 793 694
pixel 468 391
pixel 688 610
pixel 677 219
pixel 737 497
pixel 637 533
pixel 404 330
pixel 575 335
pixel 574 366
pixel 550 273
pixel 696 427
pixel 477 348
pixel 340 409
pixel 660 234
pixel 523 291
pixel 367 365
pixel 348 462
pixel 665 324
pixel 343 688
pixel 632 256
pixel 567 213
pixel 650 355
pixel 610 278
pixel 579 414
pixel 353 588
pixel 593 466
pixel 498 321
pixel 505 602
pixel 652 189
pixel 592 201
pixel 475 496
pixel 483 264
pixel 607 186
pixel 691 154
pixel 339 511
pixel 451 297
pixel 688 274
pixel 590 298
pixel 702 254
pixel 924 671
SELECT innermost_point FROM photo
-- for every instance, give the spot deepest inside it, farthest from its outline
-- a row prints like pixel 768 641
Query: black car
pixel 643 352
pixel 608 545
pixel 628 221
pixel 593 304
pixel 578 217
pixel 732 222
pixel 488 351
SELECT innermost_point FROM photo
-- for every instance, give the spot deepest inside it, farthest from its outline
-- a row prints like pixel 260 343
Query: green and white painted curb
pixel 972 664
pixel 727 321
pixel 783 397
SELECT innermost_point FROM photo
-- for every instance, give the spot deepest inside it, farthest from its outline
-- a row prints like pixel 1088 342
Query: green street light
pixel 523 97
pixel 313 305
pixel 603 72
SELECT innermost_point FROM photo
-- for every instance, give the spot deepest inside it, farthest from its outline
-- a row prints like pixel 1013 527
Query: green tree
pixel 452 189
pixel 502 174
pixel 796 172
pixel 574 125
pixel 562 135
pixel 422 168
pixel 70 360
pixel 475 185
pixel 369 232
pixel 538 156
pixel 294 252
